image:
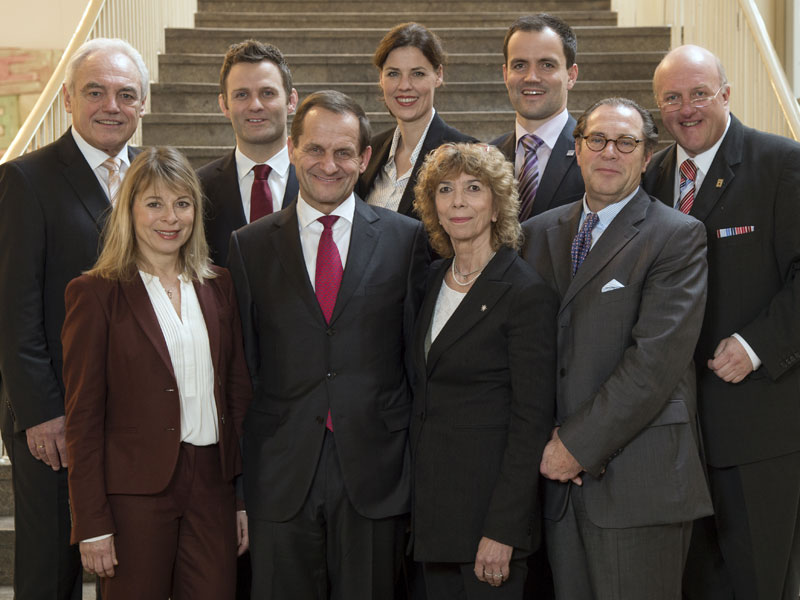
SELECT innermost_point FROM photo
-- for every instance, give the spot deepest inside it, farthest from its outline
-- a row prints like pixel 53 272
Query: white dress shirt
pixel 548 132
pixel 96 158
pixel 311 231
pixel 446 304
pixel 389 187
pixel 189 350
pixel 277 179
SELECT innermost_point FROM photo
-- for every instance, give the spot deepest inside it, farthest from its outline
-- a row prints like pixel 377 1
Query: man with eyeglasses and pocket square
pixel 743 184
pixel 624 479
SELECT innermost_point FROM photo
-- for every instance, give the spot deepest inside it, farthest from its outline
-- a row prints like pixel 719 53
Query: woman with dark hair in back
pixel 411 62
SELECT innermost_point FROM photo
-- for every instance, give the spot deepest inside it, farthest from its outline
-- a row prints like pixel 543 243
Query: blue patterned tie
pixel 583 242
pixel 529 174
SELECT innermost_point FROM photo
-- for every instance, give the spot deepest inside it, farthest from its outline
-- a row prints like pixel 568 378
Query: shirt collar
pixel 279 162
pixel 307 214
pixel 609 213
pixel 703 160
pixel 415 153
pixel 548 131
pixel 94 156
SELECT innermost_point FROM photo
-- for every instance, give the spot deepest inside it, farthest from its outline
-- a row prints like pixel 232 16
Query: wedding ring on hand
pixel 497 575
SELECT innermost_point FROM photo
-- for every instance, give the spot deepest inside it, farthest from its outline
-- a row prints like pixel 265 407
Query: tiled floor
pixel 7 592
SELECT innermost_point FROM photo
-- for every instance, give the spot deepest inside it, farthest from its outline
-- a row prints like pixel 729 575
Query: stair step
pixel 388 20
pixel 370 6
pixel 592 66
pixel 6 489
pixel 186 129
pixel 456 39
pixel 454 96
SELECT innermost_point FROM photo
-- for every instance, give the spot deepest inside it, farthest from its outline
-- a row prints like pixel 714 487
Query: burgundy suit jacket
pixel 122 404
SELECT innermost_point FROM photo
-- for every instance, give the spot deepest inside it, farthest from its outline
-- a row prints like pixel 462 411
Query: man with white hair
pixel 53 204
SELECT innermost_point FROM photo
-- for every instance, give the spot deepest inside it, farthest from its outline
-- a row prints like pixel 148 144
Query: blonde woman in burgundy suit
pixel 156 390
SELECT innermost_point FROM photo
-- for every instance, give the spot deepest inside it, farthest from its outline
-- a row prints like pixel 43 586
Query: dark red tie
pixel 260 196
pixel 688 175
pixel 328 276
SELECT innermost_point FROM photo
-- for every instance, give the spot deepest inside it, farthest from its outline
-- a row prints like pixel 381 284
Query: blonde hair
pixel 120 257
pixel 487 164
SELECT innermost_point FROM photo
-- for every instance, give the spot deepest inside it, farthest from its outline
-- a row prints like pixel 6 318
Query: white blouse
pixel 190 353
pixel 446 304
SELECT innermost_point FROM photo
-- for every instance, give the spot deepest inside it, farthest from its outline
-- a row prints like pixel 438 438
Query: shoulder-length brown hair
pixel 120 257
pixel 489 166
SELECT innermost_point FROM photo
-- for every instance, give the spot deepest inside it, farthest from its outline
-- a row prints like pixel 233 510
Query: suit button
pixel 331 374
pixel 562 372
pixel 170 429
pixel 169 390
pixel 319 420
pixel 330 331
pixel 222 418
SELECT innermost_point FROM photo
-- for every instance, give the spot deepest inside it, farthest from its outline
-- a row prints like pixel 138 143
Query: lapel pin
pixel 720 182
pixel 483 308
pixel 571 152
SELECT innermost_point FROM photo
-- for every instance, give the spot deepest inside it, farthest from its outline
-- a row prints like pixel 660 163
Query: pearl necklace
pixel 470 281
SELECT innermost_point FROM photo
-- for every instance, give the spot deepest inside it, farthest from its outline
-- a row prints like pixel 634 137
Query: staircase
pixel 325 50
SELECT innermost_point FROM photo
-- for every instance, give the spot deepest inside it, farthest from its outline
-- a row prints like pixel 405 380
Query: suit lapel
pixel 292 187
pixel 559 241
pixel 476 305
pixel 286 246
pixel 363 239
pixel 507 145
pixel 139 301
pixel 426 311
pixel 432 141
pixel 228 195
pixel 664 188
pixel 82 179
pixel 561 158
pixel 205 296
pixel 621 230
pixel 380 154
pixel 721 173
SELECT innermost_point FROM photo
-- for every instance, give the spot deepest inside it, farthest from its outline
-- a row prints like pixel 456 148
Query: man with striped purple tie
pixel 539 71
pixel 743 184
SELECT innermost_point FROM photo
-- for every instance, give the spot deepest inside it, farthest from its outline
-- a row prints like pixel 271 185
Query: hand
pixel 99 557
pixel 491 561
pixel 731 362
pixel 242 537
pixel 557 462
pixel 46 443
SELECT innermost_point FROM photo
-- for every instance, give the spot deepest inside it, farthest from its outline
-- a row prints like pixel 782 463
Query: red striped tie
pixel 688 174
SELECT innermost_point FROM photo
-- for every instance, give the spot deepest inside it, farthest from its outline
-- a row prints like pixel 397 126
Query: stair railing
pixel 140 22
pixel 733 30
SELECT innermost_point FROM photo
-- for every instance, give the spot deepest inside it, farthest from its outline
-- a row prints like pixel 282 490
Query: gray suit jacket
pixel 626 399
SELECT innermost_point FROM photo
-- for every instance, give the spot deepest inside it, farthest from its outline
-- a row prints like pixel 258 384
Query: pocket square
pixel 612 285
pixel 730 231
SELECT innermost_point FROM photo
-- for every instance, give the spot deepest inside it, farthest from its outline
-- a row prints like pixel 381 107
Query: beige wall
pixel 55 22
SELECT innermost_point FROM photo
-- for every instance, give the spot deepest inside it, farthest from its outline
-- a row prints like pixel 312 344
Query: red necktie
pixel 260 196
pixel 688 174
pixel 328 276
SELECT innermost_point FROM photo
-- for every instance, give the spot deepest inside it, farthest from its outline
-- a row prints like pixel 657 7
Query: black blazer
pixel 483 410
pixel 561 182
pixel 224 212
pixel 438 133
pixel 302 366
pixel 52 210
pixel 753 290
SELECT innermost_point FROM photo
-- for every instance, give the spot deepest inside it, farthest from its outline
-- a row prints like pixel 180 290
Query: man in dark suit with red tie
pixel 743 185
pixel 53 205
pixel 539 71
pixel 256 178
pixel 328 289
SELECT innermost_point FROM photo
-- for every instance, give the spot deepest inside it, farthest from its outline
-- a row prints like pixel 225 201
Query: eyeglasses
pixel 624 143
pixel 698 99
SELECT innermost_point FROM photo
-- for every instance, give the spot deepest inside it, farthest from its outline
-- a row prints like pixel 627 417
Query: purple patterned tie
pixel 583 241
pixel 328 276
pixel 529 174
